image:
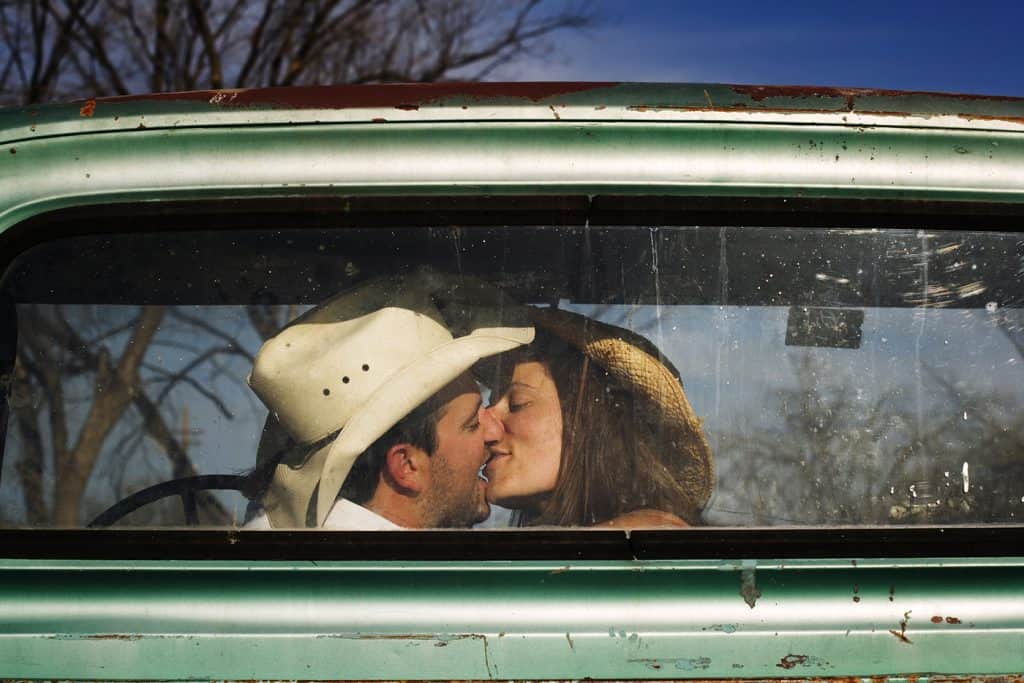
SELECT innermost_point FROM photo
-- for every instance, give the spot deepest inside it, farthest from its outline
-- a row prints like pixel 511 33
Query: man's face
pixel 456 495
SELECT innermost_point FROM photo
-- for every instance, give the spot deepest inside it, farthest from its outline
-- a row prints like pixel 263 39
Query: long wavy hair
pixel 616 457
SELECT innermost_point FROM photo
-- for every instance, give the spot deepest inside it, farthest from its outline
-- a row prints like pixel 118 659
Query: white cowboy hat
pixel 358 363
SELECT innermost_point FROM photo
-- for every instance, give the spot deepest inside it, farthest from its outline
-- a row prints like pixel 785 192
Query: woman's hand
pixel 643 519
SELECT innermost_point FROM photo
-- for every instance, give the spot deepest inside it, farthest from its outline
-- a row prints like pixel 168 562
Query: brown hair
pixel 617 456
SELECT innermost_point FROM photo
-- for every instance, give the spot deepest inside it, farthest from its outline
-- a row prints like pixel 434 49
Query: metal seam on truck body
pixel 72 619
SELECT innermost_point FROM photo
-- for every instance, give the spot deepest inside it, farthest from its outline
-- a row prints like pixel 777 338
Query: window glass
pixel 829 376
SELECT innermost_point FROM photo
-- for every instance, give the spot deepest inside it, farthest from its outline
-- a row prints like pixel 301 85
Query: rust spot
pixel 88 109
pixel 141 126
pixel 655 666
pixel 408 107
pixel 892 592
pixel 953 620
pixel 379 120
pixel 790 661
pixel 936 620
pixel 901 635
pixel 371 96
pixel 13 151
pixel 856 598
pixel 113 636
pixel 760 92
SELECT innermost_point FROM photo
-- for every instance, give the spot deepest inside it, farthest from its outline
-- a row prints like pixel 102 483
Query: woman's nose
pixel 492 427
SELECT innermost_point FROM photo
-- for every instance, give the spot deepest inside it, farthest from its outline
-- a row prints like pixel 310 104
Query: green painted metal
pixel 693 140
pixel 668 619
pixel 514 157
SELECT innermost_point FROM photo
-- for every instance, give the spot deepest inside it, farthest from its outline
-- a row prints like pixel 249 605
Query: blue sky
pixel 973 47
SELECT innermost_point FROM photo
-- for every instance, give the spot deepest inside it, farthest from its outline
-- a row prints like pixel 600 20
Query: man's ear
pixel 407 467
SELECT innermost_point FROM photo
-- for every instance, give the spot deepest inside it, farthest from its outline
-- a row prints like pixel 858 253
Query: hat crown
pixel 319 371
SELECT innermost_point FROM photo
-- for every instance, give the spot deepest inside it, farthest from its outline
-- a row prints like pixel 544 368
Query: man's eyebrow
pixel 476 411
pixel 520 383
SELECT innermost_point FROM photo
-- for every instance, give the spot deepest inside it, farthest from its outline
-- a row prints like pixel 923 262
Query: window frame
pixel 481 545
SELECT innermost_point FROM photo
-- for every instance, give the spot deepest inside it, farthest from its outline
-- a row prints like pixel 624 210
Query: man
pixel 374 389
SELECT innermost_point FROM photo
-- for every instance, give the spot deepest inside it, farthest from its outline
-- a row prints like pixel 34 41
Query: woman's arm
pixel 643 519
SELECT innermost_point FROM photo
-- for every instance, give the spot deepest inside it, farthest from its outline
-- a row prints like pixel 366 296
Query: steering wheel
pixel 186 488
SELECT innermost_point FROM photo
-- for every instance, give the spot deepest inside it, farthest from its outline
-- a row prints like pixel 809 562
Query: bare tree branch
pixel 202 27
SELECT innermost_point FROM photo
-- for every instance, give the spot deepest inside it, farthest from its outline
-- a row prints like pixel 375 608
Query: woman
pixel 598 431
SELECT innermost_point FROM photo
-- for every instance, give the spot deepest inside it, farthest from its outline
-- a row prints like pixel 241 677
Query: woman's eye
pixel 514 407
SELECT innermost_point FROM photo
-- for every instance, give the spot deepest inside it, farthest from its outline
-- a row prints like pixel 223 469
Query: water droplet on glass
pixel 991 306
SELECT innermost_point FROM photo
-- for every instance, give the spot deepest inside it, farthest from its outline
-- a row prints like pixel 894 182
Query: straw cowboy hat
pixel 341 375
pixel 637 364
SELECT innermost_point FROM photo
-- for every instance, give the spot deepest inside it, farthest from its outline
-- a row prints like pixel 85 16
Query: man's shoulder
pixel 344 516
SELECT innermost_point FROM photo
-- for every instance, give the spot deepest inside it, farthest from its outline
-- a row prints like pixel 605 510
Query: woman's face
pixel 523 466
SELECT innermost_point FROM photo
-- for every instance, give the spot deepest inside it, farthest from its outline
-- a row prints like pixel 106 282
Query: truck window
pixel 842 375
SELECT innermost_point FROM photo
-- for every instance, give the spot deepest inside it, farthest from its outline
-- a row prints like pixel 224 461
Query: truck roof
pixel 437 102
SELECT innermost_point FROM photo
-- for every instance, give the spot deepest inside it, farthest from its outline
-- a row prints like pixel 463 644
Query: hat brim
pixel 397 396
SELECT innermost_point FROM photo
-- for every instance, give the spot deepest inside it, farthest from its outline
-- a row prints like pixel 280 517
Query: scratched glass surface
pixel 843 376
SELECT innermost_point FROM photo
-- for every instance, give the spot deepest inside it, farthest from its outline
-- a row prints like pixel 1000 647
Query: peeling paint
pixel 693 664
pixel 406 96
pixel 748 587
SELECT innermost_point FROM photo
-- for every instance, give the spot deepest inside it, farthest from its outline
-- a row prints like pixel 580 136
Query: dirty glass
pixel 865 377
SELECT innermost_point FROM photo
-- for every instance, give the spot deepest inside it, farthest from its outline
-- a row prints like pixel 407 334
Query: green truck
pixel 836 275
